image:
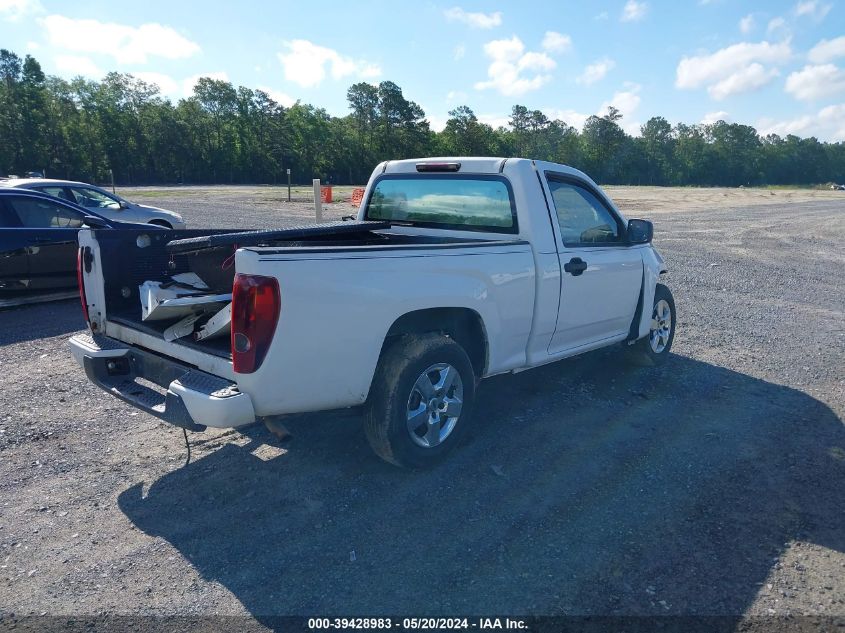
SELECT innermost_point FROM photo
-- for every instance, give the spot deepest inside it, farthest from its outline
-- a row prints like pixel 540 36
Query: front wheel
pixel 655 346
pixel 420 401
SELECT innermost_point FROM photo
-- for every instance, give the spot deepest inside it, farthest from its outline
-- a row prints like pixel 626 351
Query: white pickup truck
pixel 456 269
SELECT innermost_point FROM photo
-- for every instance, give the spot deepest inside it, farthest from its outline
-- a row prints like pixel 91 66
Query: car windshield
pixel 470 203
pixel 94 199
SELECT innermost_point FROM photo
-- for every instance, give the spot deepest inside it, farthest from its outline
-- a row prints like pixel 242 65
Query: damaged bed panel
pixel 159 302
pixel 218 325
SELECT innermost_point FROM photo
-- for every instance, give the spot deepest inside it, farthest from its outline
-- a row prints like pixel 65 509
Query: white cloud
pixel 513 71
pixel 305 64
pixel 813 9
pixel 474 20
pixel 746 24
pixel 596 71
pixel 189 83
pixel 73 65
pixel 436 123
pixel 454 96
pixel 570 117
pixel 816 82
pixel 460 51
pixel 601 16
pixel 127 44
pixel 745 79
pixel 775 24
pixel 554 42
pixel 633 11
pixel 279 97
pixel 32 46
pixel 16 10
pixel 828 124
pixel 827 50
pixel 713 117
pixel 732 70
pixel 167 85
pixel 626 101
pixel 494 120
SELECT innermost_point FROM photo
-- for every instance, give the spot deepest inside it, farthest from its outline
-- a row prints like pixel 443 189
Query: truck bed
pixel 131 257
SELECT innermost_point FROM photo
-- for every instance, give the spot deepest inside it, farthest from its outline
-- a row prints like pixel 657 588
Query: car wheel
pixel 421 400
pixel 654 348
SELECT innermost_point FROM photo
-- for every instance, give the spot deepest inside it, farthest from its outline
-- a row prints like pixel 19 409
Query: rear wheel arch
pixel 463 325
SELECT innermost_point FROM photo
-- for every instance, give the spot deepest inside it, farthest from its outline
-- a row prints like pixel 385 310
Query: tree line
pixel 82 129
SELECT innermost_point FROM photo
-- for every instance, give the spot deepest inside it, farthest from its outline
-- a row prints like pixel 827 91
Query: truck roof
pixel 469 164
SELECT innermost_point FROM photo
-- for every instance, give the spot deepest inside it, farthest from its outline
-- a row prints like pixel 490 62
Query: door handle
pixel 575 266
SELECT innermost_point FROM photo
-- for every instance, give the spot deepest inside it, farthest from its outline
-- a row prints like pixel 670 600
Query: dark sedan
pixel 38 245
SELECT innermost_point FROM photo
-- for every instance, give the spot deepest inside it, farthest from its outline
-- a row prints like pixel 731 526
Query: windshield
pixel 94 199
pixel 470 203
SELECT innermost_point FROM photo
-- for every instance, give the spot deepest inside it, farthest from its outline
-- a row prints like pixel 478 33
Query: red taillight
pixel 81 283
pixel 256 303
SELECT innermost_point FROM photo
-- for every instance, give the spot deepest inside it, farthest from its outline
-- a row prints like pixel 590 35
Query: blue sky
pixel 775 65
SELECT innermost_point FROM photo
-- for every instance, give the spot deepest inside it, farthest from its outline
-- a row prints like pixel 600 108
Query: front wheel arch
pixel 644 351
pixel 163 223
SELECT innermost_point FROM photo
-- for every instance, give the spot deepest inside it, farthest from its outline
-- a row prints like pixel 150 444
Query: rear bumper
pixel 175 392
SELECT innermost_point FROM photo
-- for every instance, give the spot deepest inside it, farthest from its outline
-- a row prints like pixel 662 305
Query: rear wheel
pixel 654 347
pixel 420 401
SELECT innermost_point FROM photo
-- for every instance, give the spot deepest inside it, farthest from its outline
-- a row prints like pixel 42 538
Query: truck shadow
pixel 586 488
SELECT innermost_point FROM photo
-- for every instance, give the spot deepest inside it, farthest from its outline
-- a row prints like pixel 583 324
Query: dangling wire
pixel 187 445
pixel 230 260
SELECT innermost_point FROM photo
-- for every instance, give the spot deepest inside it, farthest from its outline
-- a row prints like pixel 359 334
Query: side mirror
pixel 640 231
pixel 124 204
pixel 95 223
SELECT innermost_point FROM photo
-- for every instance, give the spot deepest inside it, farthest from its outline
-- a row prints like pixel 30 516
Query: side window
pixel 56 192
pixel 44 214
pixel 93 199
pixel 8 219
pixel 582 217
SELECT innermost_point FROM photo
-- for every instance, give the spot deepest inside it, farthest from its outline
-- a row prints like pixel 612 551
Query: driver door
pixel 49 229
pixel 601 275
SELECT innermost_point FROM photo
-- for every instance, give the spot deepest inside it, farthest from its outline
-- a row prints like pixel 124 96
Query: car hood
pixel 164 214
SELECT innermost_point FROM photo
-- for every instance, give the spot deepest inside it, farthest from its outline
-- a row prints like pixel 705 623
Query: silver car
pixel 103 202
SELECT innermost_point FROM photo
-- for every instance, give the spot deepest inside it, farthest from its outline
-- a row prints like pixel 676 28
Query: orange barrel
pixel 326 194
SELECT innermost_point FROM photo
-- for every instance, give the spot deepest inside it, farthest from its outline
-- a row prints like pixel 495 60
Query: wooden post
pixel 318 202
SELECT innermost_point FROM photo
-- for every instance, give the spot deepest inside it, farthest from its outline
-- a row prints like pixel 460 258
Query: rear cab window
pixel 464 202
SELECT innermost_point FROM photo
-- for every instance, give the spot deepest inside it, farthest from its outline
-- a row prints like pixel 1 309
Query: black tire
pixel 396 389
pixel 644 351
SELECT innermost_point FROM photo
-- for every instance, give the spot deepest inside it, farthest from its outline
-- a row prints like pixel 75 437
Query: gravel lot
pixel 714 485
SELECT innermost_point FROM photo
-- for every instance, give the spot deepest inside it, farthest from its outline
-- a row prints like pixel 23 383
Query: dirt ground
pixel 714 485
